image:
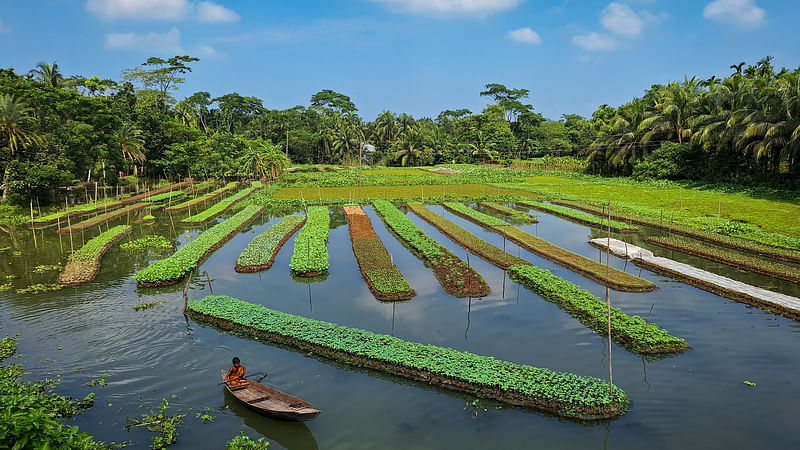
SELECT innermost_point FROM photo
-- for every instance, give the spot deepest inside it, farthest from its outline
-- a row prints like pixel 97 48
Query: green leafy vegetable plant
pixel 579 217
pixel 260 252
pixel 84 264
pixel 310 256
pixel 222 206
pixel 204 198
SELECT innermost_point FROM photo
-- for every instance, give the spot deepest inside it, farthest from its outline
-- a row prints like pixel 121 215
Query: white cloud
pixel 205 11
pixel 621 19
pixel 594 42
pixel 139 9
pixel 525 35
pixel 162 43
pixel 742 13
pixel 445 7
pixel 213 13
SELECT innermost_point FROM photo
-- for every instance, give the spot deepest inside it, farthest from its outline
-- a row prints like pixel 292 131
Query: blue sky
pixel 413 56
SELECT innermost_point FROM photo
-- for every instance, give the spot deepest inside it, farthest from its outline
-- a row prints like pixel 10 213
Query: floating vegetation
pixel 210 196
pixel 560 393
pixel 260 252
pixel 102 218
pixel 243 442
pixel 6 287
pixel 84 264
pixel 166 426
pixel 589 268
pixel 38 288
pixel 222 206
pixel 582 218
pixel 510 212
pixel 310 256
pixel 165 196
pixel 46 268
pixel 456 277
pixel 149 305
pixel 147 242
pixel 632 332
pixel 172 269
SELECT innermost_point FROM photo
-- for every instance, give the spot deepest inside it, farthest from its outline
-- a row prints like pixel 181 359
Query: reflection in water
pixel 469 311
pixel 291 435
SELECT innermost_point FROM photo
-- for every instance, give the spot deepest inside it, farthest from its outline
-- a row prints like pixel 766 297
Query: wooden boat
pixel 272 402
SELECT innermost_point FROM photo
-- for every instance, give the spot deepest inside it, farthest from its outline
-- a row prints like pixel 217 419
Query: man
pixel 236 374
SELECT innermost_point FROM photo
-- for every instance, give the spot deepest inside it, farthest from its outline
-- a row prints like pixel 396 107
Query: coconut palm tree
pixel 131 144
pixel 385 128
pixel 49 74
pixel 15 129
pixel 670 118
pixel 264 157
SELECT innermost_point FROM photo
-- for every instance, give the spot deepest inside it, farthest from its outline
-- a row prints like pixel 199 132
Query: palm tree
pixel 131 144
pixel 482 146
pixel 15 129
pixel 385 128
pixel 670 118
pixel 262 157
pixel 188 114
pixel 48 74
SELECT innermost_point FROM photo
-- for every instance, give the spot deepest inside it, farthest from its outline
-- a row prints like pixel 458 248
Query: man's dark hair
pixel 236 360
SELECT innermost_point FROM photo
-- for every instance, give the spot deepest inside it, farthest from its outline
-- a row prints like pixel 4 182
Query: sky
pixel 414 56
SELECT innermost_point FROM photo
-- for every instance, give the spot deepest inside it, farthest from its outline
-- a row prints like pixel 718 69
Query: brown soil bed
pixel 75 267
pixel 261 267
pixel 513 398
pixel 510 232
pixel 720 291
pixel 577 220
pixel 88 224
pixel 205 255
pixel 688 233
pixel 361 228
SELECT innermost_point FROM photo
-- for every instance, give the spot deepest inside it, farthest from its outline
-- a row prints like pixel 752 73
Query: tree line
pixel 57 130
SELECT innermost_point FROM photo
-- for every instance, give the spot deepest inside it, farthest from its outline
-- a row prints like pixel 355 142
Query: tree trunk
pixel 5 183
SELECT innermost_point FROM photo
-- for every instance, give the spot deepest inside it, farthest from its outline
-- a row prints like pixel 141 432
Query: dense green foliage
pixel 29 412
pixel 188 257
pixel 456 277
pixel 261 250
pixel 243 442
pixel 311 244
pixel 203 198
pixel 222 205
pixel 580 217
pixel 632 332
pixel 466 239
pixel 150 241
pixel 572 393
pixel 745 126
pixel 736 259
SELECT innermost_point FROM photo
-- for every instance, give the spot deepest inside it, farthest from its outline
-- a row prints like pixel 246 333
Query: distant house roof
pixel 368 148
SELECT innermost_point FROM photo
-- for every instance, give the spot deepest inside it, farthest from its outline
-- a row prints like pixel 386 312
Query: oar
pixel 262 375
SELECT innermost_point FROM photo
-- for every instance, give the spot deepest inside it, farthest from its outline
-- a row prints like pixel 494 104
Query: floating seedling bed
pixel 613 278
pixel 456 277
pixel 102 218
pixel 171 270
pixel 310 256
pixel 581 218
pixel 510 212
pixel 260 252
pixel 84 264
pixel 632 332
pixel 732 242
pixel 210 196
pixel 374 262
pixel 560 393
pixel 222 206
pixel 464 238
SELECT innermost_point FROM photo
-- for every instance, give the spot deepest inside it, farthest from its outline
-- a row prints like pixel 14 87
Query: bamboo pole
pixel 608 304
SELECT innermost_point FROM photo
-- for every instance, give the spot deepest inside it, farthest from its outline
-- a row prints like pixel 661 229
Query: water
pixel 693 400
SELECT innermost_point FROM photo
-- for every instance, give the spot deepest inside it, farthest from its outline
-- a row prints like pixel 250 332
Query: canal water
pixel 693 400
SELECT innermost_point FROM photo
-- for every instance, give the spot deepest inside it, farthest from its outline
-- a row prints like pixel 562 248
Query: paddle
pixel 262 375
